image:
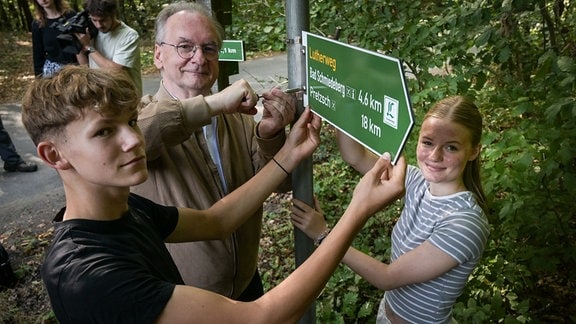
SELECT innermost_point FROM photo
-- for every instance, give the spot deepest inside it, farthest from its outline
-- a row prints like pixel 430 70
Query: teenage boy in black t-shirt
pixel 108 262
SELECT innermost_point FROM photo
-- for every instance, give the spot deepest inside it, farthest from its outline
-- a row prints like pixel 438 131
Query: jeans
pixel 7 149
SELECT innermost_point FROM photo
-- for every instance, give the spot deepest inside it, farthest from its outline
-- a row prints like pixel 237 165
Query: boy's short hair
pixel 50 104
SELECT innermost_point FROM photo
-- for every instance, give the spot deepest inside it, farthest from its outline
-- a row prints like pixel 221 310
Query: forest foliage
pixel 516 58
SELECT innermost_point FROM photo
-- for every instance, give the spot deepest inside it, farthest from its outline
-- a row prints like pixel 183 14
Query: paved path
pixel 26 196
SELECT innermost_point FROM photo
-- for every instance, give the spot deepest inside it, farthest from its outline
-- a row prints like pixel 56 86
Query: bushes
pixel 516 58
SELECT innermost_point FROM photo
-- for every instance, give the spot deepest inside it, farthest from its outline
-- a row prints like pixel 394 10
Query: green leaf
pixel 566 64
pixel 483 38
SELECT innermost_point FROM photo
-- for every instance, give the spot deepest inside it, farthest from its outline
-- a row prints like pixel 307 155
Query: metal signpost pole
pixel 298 20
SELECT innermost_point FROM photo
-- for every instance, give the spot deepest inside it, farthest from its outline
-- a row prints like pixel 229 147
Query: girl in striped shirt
pixel 441 233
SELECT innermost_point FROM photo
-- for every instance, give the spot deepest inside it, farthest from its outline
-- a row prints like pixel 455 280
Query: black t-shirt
pixel 112 271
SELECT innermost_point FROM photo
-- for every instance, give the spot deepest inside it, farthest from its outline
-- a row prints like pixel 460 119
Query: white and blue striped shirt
pixel 456 225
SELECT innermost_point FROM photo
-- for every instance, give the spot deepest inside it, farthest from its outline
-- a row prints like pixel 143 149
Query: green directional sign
pixel 232 50
pixel 360 92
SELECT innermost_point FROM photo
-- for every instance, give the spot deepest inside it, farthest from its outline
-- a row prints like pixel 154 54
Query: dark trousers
pixel 7 149
pixel 254 289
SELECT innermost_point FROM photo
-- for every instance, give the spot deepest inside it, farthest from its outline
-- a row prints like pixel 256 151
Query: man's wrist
pixel 266 136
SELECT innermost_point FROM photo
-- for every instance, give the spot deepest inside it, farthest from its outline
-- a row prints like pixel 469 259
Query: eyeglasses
pixel 187 51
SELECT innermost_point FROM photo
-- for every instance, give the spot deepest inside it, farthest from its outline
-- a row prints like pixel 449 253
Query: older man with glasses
pixel 200 147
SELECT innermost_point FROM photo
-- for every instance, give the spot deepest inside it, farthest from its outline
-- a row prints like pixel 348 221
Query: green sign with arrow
pixel 362 93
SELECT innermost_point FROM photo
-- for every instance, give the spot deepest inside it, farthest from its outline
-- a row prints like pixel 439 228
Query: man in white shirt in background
pixel 117 45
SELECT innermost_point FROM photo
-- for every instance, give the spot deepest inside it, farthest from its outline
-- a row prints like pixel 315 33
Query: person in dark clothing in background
pixel 12 160
pixel 47 52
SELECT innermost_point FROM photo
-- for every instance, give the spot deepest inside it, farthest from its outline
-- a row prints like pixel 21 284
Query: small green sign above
pixel 361 93
pixel 232 50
